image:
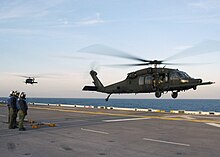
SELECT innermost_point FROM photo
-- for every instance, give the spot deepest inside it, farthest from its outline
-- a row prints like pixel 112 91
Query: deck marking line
pixel 122 120
pixel 213 124
pixel 9 135
pixel 2 115
pixel 181 116
pixel 126 115
pixel 167 142
pixel 95 131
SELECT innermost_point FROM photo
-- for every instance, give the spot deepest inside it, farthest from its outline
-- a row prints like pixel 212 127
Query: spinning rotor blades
pixel 108 51
pixel 204 47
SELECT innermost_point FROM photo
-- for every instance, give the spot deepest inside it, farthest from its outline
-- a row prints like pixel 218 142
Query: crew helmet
pixel 22 95
pixel 16 93
pixel 11 93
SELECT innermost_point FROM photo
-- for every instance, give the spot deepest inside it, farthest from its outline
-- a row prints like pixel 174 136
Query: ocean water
pixel 162 104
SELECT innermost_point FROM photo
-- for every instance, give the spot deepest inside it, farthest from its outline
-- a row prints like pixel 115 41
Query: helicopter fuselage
pixel 148 80
pixel 30 81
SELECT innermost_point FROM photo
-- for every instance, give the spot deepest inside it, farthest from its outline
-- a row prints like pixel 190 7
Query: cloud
pixel 19 31
pixel 208 18
pixel 183 47
pixel 91 21
pixel 201 19
pixel 23 8
pixel 205 4
pixel 67 23
pixel 34 32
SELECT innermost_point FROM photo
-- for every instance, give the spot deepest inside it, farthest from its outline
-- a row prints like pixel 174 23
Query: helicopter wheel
pixel 174 94
pixel 158 94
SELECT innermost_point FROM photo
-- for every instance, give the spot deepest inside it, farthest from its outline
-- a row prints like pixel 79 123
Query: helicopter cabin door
pixel 145 83
pixel 174 78
pixel 149 83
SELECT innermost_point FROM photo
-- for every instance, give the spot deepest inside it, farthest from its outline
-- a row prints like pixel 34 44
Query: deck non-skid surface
pixel 83 132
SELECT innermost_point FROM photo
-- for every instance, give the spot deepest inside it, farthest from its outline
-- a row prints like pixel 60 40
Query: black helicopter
pixel 152 79
pixel 29 80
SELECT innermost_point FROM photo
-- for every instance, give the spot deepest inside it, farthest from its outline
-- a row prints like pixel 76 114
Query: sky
pixel 43 38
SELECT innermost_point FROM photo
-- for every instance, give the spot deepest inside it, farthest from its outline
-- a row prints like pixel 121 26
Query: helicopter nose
pixel 196 81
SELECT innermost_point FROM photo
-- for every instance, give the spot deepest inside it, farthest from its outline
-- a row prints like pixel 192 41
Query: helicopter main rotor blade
pixel 126 65
pixel 186 64
pixel 208 46
pixel 144 64
pixel 108 51
pixel 22 76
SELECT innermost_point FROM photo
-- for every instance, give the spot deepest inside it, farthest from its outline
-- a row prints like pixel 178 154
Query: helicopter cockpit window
pixel 183 75
pixel 174 76
pixel 132 75
pixel 141 80
pixel 148 80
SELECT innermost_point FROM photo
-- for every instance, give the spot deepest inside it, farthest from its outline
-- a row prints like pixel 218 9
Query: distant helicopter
pixel 148 80
pixel 29 79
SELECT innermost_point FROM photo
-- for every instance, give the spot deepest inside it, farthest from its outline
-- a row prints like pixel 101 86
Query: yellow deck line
pixel 128 115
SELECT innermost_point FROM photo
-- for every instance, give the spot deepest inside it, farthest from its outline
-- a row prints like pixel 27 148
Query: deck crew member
pixel 22 110
pixel 13 110
pixel 17 93
pixel 9 104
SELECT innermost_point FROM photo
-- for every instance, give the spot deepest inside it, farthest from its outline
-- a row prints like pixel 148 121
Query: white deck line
pixel 123 120
pixel 167 142
pixel 2 115
pixel 213 124
pixel 180 116
pixel 95 131
pixel 132 109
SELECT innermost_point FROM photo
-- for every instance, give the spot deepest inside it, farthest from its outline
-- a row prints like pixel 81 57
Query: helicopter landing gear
pixel 174 94
pixel 107 97
pixel 158 94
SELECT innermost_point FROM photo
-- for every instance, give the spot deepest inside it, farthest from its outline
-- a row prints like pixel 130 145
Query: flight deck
pixel 55 131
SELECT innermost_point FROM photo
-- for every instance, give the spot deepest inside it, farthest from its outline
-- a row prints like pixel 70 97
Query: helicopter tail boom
pixel 90 88
pixel 98 85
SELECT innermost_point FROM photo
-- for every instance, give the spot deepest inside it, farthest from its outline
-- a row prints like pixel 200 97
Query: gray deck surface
pixel 83 132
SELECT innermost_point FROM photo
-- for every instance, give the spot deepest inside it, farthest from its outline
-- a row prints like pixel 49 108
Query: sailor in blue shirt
pixel 9 104
pixel 13 110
